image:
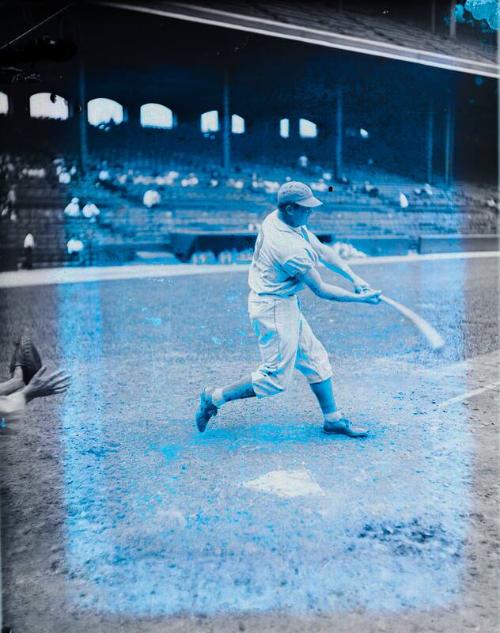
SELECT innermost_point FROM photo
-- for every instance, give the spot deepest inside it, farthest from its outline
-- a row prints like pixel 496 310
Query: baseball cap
pixel 297 192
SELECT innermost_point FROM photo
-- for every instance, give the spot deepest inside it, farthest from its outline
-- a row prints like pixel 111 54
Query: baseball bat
pixel 433 337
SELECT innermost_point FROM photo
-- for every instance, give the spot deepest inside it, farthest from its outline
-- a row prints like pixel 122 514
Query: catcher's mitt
pixel 26 356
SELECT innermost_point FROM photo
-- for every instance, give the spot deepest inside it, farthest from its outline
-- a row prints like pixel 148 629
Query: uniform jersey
pixel 281 253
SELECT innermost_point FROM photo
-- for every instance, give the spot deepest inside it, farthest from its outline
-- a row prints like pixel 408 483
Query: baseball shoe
pixel 26 356
pixel 344 427
pixel 206 410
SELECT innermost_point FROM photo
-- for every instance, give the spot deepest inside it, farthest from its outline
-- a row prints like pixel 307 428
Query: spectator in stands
pixel 72 209
pixel 244 256
pixel 203 257
pixel 207 257
pixel 171 177
pixel 28 246
pixel 303 161
pixel 319 186
pixel 257 182
pixel 8 168
pixel 104 174
pixel 91 211
pixel 271 186
pixel 10 204
pixel 426 190
pixel 74 245
pixel 491 202
pixel 28 380
pixel 225 257
pixel 64 178
pixel 236 183
pixel 190 181
pixel 370 189
pixel 34 172
pixel 343 180
pixel 346 251
pixel 75 248
pixel 151 198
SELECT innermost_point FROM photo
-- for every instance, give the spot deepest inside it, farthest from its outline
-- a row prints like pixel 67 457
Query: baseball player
pixel 286 259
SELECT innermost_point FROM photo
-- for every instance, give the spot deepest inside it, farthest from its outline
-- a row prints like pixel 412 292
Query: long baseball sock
pixel 218 398
pixel 237 391
pixel 326 400
pixel 333 417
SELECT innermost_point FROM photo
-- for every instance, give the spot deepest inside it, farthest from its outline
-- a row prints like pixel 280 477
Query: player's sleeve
pixel 315 243
pixel 300 262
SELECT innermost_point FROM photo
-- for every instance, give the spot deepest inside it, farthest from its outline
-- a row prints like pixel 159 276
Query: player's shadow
pixel 264 434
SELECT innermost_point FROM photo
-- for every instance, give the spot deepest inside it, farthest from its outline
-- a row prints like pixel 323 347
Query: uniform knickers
pixel 286 342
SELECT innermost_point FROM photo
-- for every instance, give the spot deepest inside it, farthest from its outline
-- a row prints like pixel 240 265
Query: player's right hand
pixel 370 296
pixel 43 384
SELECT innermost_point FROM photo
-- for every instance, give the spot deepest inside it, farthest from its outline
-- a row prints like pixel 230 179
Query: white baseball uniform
pixel 286 340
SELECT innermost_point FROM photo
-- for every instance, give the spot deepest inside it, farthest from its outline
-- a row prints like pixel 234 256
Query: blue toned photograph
pixel 249 297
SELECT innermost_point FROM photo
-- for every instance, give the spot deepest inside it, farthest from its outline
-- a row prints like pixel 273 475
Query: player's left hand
pixel 370 296
pixel 360 285
pixel 363 288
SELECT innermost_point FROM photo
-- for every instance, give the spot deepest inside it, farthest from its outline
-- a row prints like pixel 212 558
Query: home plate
pixel 286 483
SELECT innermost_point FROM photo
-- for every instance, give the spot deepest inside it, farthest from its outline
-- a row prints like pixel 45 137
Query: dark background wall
pixel 136 59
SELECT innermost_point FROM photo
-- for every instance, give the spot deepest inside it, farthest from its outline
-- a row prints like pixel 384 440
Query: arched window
pixel 47 105
pixel 284 128
pixel 104 112
pixel 4 103
pixel 209 122
pixel 157 116
pixel 307 129
pixel 237 124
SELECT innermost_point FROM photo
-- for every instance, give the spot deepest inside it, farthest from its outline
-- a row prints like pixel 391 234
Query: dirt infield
pixel 117 516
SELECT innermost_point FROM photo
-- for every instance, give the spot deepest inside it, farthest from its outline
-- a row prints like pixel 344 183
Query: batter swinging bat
pixel 434 339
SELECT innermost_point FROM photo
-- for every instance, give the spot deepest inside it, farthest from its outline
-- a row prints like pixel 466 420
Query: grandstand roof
pixel 321 24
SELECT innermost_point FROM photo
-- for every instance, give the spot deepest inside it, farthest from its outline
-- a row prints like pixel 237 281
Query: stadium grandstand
pixel 113 150
pixel 160 487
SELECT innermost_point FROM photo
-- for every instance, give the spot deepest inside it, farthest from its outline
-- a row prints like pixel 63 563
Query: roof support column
pixel 433 16
pixel 430 140
pixel 82 122
pixel 449 141
pixel 453 20
pixel 226 124
pixel 339 132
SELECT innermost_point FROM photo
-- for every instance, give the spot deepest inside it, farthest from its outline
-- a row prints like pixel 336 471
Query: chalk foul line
pixel 468 394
